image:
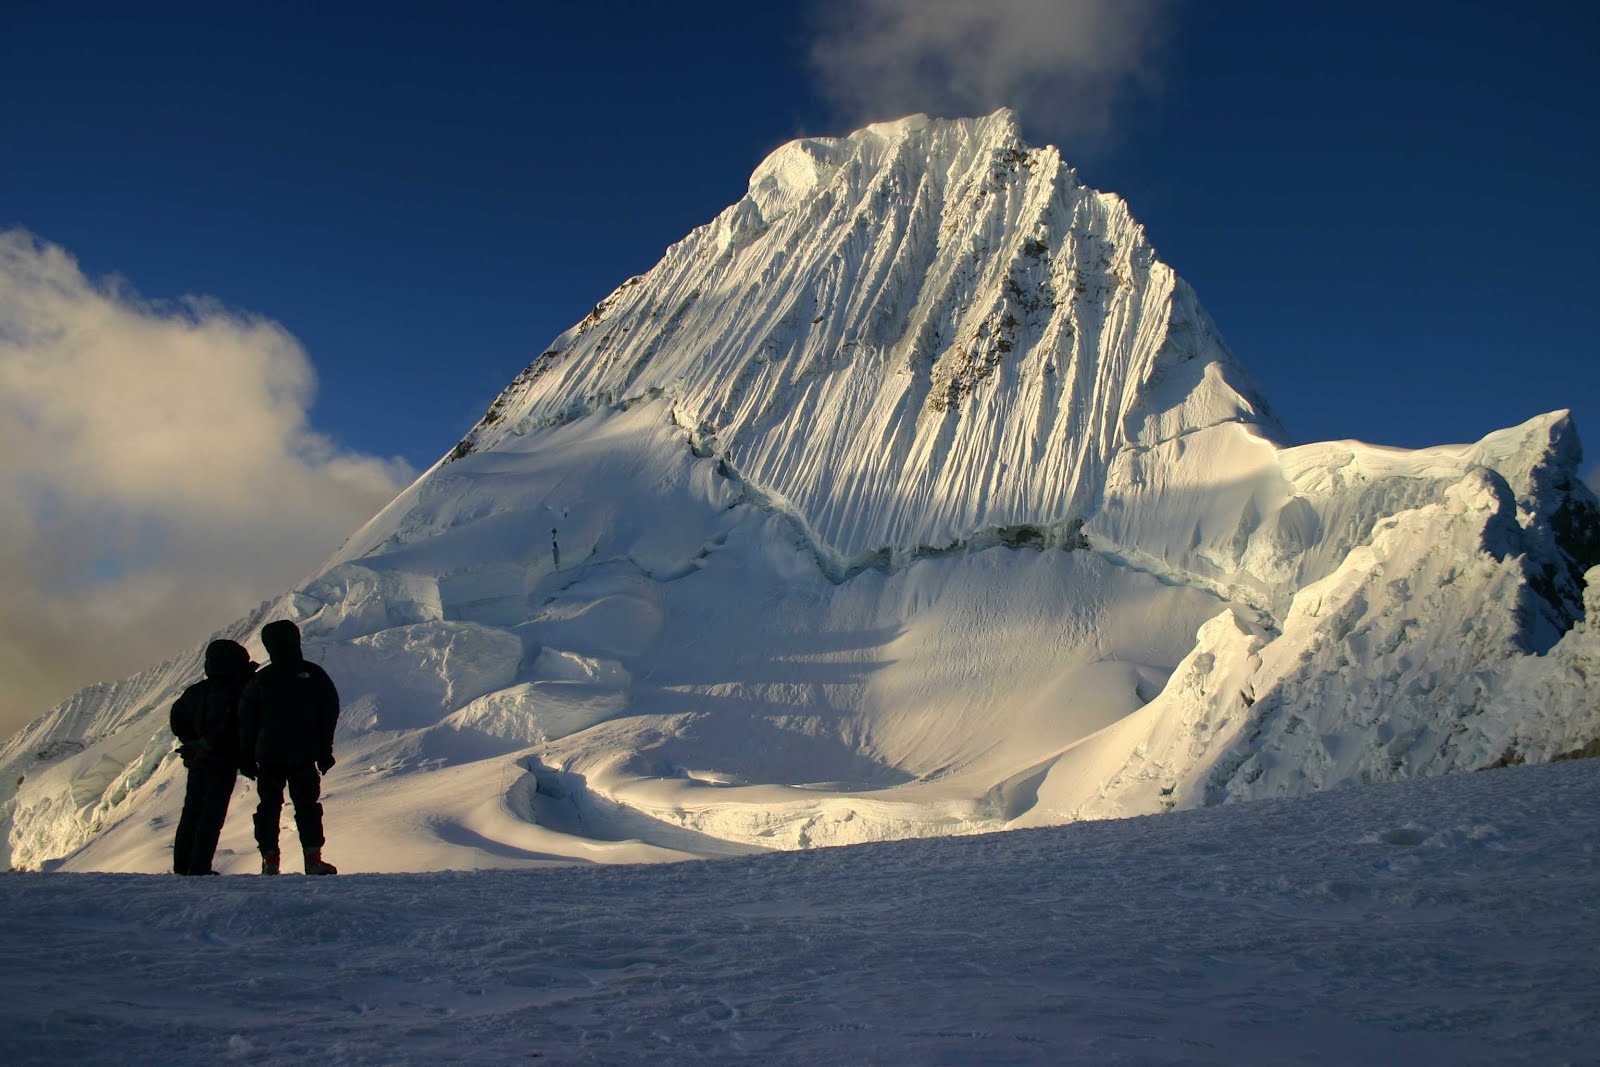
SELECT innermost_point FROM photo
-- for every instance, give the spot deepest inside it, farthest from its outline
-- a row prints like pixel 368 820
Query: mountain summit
pixel 908 334
pixel 911 495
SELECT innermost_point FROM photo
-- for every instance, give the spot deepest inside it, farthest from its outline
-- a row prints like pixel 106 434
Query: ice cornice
pixel 797 170
pixel 999 128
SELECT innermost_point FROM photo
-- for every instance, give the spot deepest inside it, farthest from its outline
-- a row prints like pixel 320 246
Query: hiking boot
pixel 269 863
pixel 316 865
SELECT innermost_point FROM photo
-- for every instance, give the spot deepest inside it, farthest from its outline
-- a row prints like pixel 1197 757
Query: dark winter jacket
pixel 290 708
pixel 206 717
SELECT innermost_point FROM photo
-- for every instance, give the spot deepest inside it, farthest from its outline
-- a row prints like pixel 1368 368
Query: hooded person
pixel 206 721
pixel 286 720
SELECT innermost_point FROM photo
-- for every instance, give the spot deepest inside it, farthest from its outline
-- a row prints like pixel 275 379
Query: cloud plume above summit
pixel 158 473
pixel 1064 64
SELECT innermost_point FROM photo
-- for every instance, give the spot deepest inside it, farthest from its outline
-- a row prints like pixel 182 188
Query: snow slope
pixel 913 495
pixel 1440 921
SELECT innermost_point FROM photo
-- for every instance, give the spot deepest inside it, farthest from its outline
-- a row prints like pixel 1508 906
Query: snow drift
pixel 1445 921
pixel 912 495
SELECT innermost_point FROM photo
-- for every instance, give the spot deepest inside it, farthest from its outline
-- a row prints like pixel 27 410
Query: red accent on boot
pixel 315 864
pixel 269 863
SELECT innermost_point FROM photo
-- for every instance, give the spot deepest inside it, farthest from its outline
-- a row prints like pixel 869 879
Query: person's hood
pixel 227 659
pixel 282 641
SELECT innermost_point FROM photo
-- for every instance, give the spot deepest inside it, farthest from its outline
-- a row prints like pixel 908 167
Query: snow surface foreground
pixel 1440 921
pixel 911 496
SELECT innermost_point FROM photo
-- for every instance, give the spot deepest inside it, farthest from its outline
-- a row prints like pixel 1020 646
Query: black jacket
pixel 206 717
pixel 290 708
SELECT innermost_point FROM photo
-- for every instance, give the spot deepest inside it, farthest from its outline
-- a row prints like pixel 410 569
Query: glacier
pixel 913 495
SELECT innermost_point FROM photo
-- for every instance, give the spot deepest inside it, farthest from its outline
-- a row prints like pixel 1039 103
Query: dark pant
pixel 205 806
pixel 305 786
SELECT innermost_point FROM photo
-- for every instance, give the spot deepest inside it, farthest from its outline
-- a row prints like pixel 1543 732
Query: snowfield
pixel 1447 920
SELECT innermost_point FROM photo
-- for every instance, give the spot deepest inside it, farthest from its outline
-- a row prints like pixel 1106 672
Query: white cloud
pixel 158 475
pixel 1064 64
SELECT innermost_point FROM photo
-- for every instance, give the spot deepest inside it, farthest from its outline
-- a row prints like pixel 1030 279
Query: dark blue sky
pixel 1390 209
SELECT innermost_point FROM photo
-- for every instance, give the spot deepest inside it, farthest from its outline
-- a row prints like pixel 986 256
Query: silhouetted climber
pixel 206 721
pixel 555 549
pixel 286 720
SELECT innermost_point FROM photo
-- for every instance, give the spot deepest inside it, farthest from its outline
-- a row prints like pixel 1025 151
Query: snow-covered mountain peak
pixel 911 335
pixel 911 494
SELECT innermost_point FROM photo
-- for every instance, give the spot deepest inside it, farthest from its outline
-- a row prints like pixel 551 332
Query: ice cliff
pixel 911 495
